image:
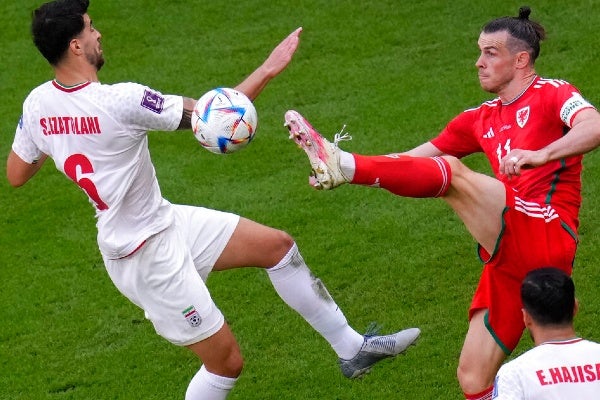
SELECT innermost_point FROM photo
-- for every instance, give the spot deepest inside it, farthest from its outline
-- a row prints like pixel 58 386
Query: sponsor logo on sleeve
pixel 153 101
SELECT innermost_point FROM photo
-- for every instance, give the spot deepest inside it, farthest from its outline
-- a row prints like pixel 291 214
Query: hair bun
pixel 524 12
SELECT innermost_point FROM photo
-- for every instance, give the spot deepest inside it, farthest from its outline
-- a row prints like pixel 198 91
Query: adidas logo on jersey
pixel 490 134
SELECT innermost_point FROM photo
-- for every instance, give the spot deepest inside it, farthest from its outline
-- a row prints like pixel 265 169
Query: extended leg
pixel 253 244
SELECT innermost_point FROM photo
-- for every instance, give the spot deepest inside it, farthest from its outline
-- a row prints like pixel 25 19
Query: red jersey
pixel 542 114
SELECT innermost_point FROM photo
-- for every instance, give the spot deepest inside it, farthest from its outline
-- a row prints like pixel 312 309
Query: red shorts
pixel 531 237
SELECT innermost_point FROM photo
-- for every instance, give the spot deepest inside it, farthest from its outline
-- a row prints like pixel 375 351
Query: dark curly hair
pixel 54 24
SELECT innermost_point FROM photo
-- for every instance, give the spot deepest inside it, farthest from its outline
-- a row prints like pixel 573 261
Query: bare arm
pixel 583 137
pixel 277 61
pixel 186 116
pixel 18 171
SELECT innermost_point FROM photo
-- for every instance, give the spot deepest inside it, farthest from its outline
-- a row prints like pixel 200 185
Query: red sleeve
pixel 457 139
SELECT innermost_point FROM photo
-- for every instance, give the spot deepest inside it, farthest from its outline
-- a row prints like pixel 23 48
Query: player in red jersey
pixel 534 134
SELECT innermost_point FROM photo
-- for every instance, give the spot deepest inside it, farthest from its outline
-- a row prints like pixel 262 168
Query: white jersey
pixel 97 136
pixel 560 370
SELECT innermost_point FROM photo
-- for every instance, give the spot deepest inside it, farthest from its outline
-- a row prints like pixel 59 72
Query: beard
pixel 96 59
pixel 99 63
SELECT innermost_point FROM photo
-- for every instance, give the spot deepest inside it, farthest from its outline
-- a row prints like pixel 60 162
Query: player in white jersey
pixel 159 254
pixel 562 365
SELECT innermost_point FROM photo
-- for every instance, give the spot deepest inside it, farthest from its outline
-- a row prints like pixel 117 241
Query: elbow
pixel 14 181
pixel 18 172
pixel 15 178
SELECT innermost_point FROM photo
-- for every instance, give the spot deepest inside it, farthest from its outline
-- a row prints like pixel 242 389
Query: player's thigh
pixel 220 240
pixel 480 357
pixel 254 245
pixel 206 233
pixel 479 200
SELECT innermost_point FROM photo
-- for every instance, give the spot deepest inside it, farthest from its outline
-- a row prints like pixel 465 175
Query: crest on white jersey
pixel 522 116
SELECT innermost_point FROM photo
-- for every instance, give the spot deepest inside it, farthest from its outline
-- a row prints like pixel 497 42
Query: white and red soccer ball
pixel 224 120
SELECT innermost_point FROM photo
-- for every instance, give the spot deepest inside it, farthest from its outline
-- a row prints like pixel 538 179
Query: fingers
pixel 293 39
pixel 509 165
pixel 513 166
pixel 282 54
pixel 514 162
pixel 518 160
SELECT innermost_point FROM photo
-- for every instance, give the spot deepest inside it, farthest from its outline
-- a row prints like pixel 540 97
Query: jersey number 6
pixel 81 161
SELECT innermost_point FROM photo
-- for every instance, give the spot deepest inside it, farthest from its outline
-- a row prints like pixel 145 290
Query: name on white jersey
pixel 70 126
pixel 570 374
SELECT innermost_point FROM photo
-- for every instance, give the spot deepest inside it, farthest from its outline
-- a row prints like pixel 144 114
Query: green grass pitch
pixel 394 72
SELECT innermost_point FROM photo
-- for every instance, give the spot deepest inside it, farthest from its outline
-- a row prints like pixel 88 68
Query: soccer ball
pixel 224 120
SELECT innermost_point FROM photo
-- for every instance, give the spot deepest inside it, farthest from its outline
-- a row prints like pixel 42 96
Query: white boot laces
pixel 341 136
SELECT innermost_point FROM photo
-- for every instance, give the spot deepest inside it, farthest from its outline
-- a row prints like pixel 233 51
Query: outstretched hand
pixel 282 54
pixel 279 58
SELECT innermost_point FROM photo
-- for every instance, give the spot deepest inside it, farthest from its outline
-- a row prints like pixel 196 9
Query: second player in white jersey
pixel 557 370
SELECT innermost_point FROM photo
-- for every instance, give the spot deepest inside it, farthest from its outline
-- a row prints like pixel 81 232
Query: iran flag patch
pixel 192 316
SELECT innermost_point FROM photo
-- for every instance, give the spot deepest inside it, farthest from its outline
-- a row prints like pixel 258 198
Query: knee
pixel 473 380
pixel 234 364
pixel 282 243
pixel 456 166
pixel 462 178
pixel 466 379
pixel 230 365
pixel 285 239
pixel 220 354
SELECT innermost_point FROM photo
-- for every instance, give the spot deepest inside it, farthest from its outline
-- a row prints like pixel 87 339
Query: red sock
pixel 404 175
pixel 485 395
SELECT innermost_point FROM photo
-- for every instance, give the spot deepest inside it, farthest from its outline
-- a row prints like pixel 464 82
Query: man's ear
pixel 75 46
pixel 522 59
pixel 526 318
pixel 576 307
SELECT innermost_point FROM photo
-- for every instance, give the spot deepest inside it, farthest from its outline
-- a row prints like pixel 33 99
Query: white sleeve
pixel 23 144
pixel 507 385
pixel 143 108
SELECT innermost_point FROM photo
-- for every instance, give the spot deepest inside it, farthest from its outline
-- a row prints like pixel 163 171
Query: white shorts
pixel 165 277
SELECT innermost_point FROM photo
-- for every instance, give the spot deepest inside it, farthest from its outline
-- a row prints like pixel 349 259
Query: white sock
pixel 306 294
pixel 208 386
pixel 347 165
